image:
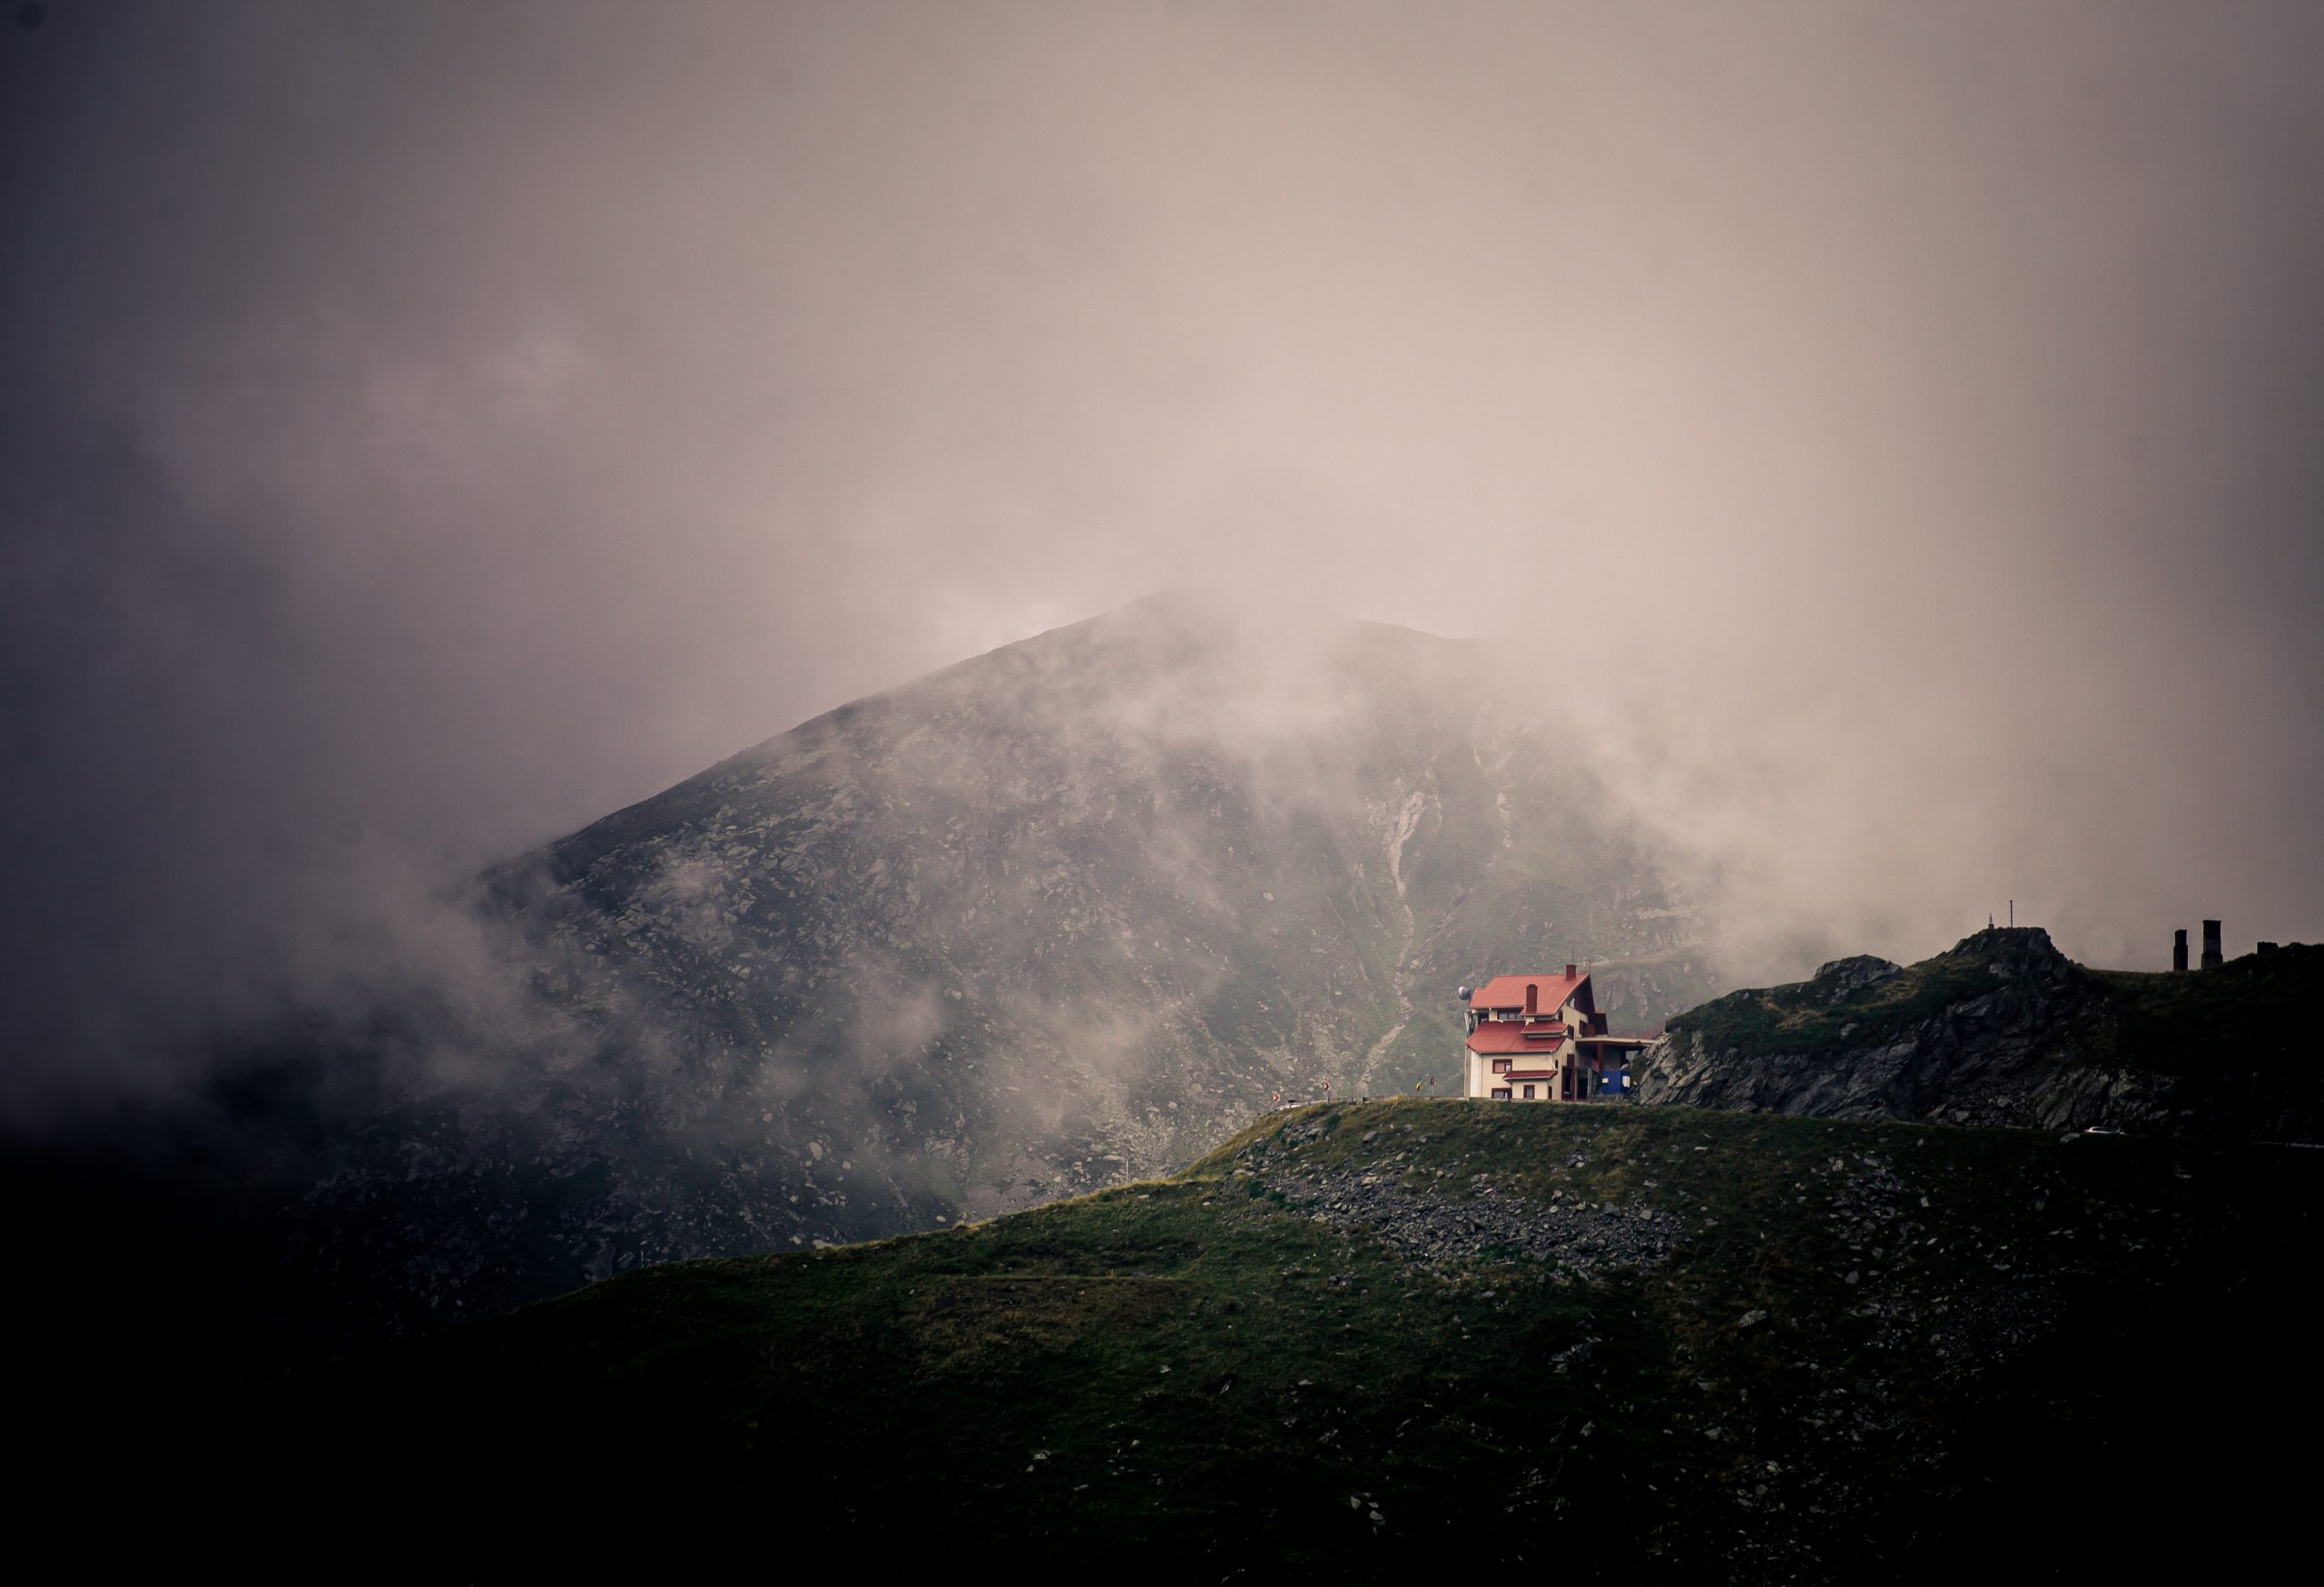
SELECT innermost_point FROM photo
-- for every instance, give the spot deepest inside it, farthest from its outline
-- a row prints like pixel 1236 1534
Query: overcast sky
pixel 429 427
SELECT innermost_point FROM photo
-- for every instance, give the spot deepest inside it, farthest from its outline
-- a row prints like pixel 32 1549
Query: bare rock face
pixel 2006 1030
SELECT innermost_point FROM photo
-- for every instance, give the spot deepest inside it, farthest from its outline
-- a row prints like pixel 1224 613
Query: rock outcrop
pixel 2006 1029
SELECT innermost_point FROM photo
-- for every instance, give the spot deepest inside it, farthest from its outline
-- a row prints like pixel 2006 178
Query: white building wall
pixel 1478 1081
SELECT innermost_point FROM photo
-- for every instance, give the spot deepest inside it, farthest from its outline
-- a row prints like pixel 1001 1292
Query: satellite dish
pixel 1463 994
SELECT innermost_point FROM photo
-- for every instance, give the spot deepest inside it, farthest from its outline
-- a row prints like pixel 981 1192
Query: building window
pixel 1529 1093
pixel 1500 1066
pixel 1501 1093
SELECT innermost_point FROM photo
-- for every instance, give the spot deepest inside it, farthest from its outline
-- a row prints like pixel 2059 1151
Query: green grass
pixel 1190 1378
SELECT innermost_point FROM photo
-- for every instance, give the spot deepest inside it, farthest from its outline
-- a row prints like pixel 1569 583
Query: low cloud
pixel 1889 435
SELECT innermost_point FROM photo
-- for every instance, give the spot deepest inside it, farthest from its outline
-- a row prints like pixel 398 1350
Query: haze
pixel 430 426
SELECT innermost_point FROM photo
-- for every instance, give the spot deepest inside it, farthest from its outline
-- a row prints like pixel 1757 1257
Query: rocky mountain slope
pixel 1056 917
pixel 1066 913
pixel 2004 1029
pixel 1366 1342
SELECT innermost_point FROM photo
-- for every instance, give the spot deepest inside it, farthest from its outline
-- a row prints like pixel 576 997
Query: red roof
pixel 1508 991
pixel 1526 1036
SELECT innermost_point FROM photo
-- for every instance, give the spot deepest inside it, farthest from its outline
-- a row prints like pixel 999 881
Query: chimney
pixel 1569 973
pixel 1532 998
pixel 2179 951
pixel 2212 959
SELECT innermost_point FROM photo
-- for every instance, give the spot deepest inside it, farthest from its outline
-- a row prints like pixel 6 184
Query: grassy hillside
pixel 1376 1339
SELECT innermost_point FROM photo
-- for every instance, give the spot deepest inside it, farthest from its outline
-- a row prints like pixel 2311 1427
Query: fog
pixel 430 427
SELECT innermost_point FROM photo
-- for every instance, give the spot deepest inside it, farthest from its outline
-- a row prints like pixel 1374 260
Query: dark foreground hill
pixel 2004 1029
pixel 1369 1342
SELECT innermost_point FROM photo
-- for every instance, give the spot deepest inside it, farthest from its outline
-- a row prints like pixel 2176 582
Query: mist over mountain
pixel 1074 906
pixel 1897 431
pixel 1056 916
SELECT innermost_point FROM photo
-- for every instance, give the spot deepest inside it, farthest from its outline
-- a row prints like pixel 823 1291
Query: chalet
pixel 1540 1039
